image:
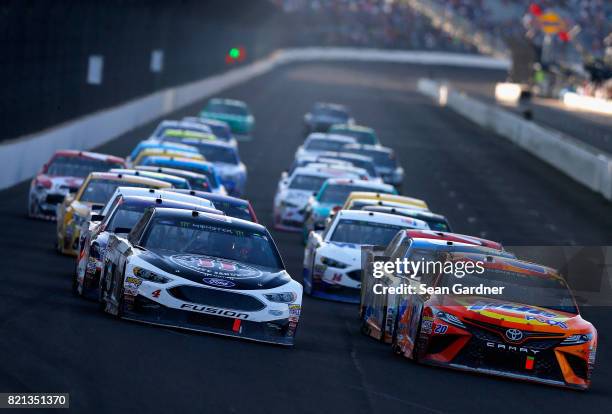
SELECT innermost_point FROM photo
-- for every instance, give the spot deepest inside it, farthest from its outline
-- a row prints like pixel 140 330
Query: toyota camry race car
pixel 120 214
pixel 323 115
pixel 235 113
pixel 332 260
pixel 294 192
pixel 531 330
pixel 202 272
pixel 331 196
pixel 63 174
pixel 74 212
pixel 378 311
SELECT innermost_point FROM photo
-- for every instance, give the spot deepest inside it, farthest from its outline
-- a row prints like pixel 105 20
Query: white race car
pixel 332 259
pixel 119 213
pixel 317 143
pixel 294 192
pixel 202 272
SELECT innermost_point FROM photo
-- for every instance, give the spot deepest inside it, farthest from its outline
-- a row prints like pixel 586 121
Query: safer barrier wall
pixel 21 158
pixel 581 162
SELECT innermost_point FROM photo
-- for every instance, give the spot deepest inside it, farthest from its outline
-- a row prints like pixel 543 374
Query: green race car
pixel 235 113
pixel 362 134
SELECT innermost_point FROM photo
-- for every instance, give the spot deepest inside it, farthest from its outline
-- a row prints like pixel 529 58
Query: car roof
pixel 329 137
pixel 150 174
pixel 356 195
pixel 127 178
pixel 171 171
pixel 323 171
pixel 353 127
pixel 344 156
pixel 212 143
pixel 331 105
pixel 374 185
pixel 210 121
pixel 368 147
pixel 182 124
pixel 87 154
pixel 228 101
pixel 453 247
pixel 150 192
pixel 181 161
pixel 210 218
pixel 391 210
pixel 385 218
pixel 213 196
pixel 165 202
pixel 453 237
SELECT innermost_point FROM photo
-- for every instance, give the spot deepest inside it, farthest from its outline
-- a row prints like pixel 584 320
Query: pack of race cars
pixel 341 193
pixel 159 239
pixel 162 237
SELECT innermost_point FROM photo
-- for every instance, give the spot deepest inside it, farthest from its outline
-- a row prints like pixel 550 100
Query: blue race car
pixel 201 167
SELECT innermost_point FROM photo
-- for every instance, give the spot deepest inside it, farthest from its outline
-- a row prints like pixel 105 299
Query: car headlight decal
pixel 149 275
pixel 283 297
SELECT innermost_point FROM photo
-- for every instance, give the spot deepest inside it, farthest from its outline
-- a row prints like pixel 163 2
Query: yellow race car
pixel 74 213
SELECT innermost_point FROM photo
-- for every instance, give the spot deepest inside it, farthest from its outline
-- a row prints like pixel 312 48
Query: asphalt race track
pixel 55 342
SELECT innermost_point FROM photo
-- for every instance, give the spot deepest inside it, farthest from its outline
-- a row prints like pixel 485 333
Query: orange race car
pixel 530 330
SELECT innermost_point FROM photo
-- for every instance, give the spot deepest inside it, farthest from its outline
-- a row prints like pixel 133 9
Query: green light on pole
pixel 234 53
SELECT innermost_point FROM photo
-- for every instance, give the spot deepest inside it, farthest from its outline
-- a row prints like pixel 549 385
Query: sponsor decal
pixel 512 348
pixel 215 268
pixel 130 286
pixel 481 306
pixel 214 311
pixel 156 293
pixel 551 322
pixel 440 329
pixel 294 312
pixel 213 281
pixel 426 326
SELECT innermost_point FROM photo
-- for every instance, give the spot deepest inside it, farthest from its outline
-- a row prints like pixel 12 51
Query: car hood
pixel 507 314
pixel 348 253
pixel 298 197
pixel 212 271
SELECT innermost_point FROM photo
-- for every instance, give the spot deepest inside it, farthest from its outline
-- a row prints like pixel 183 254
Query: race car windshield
pixel 207 172
pixel 366 165
pixel 380 158
pixel 358 231
pixel 323 145
pixel 338 193
pixel 199 183
pixel 439 225
pixel 126 216
pixel 362 137
pixel 78 167
pixel 98 191
pixel 215 153
pixel 220 108
pixel 519 288
pixel 220 132
pixel 211 239
pixel 331 113
pixel 307 182
pixel 199 170
pixel 240 211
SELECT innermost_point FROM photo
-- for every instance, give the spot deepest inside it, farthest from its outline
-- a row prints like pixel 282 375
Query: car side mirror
pixel 122 230
pixel 97 217
pixel 319 227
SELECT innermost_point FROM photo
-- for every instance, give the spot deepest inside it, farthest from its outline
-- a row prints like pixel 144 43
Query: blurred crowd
pixel 367 23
